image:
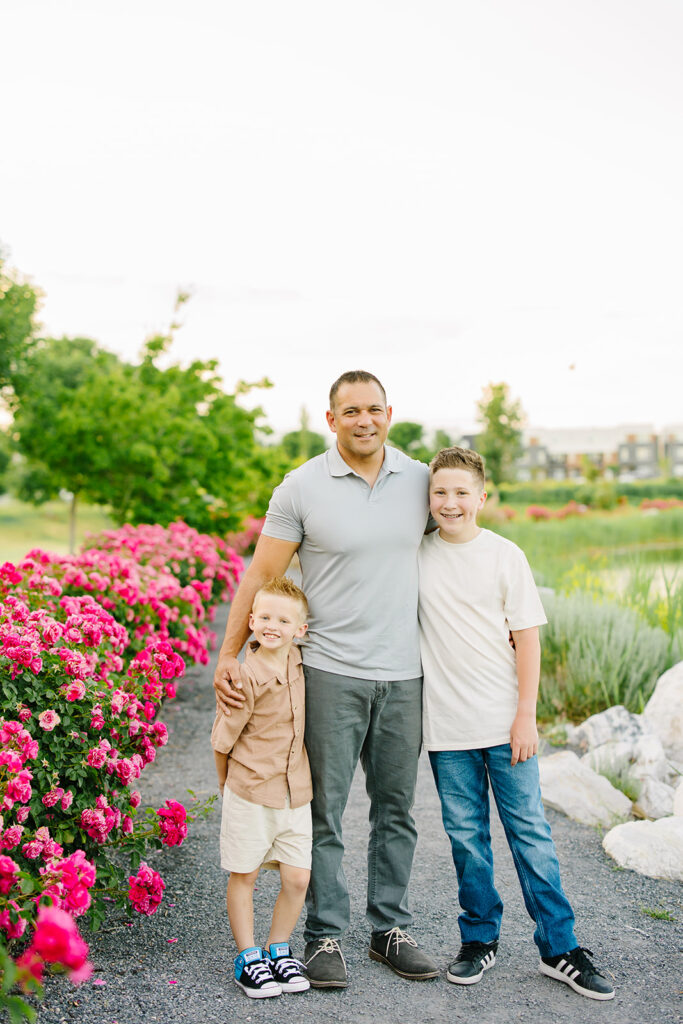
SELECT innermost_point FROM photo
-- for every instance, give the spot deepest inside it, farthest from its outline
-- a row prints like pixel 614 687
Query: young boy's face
pixel 276 620
pixel 455 497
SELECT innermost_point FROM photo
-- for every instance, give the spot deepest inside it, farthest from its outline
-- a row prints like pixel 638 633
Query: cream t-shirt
pixel 471 595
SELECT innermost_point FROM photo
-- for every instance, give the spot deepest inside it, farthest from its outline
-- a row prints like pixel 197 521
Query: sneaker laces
pixel 288 965
pixel 259 972
pixel 470 950
pixel 328 945
pixel 397 936
pixel 579 957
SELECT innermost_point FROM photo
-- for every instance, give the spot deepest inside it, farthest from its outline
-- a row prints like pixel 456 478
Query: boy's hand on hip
pixel 227 682
pixel 523 737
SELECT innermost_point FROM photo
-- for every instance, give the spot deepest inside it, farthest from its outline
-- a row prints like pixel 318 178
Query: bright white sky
pixel 444 192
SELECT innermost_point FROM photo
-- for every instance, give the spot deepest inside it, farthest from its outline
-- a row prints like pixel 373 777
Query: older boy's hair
pixel 355 377
pixel 283 586
pixel 459 458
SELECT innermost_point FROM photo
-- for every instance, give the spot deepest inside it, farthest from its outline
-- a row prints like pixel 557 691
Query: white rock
pixel 678 799
pixel 663 713
pixel 649 758
pixel 569 786
pixel 614 756
pixel 655 799
pixel 615 723
pixel 653 848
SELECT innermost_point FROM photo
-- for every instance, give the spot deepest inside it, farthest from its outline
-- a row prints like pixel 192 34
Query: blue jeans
pixel 462 779
pixel 380 724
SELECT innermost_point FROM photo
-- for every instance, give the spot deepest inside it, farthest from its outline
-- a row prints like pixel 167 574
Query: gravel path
pixel 150 979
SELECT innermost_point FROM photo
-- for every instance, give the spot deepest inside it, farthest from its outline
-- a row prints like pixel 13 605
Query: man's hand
pixel 227 683
pixel 523 737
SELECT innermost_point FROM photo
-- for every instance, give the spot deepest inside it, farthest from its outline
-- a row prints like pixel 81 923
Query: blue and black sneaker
pixel 287 971
pixel 254 975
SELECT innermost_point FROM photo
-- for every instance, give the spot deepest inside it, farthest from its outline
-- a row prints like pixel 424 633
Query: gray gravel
pixel 151 979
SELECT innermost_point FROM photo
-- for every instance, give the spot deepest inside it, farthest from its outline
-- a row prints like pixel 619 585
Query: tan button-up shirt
pixel 265 737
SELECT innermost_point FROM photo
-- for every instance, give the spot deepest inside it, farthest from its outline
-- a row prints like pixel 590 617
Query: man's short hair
pixel 283 586
pixel 459 458
pixel 355 377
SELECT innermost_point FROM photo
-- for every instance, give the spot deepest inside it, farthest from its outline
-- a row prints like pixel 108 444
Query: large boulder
pixel 640 758
pixel 653 848
pixel 569 786
pixel 678 799
pixel 614 724
pixel 655 799
pixel 663 713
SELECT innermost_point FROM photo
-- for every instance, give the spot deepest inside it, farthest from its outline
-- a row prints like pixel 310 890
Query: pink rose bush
pixel 90 647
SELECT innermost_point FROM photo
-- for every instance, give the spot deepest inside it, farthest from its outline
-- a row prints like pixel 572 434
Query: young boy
pixel 266 821
pixel 480 725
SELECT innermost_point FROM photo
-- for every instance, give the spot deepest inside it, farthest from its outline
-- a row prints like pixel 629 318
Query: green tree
pixel 302 444
pixel 153 444
pixel 409 437
pixel 19 303
pixel 500 440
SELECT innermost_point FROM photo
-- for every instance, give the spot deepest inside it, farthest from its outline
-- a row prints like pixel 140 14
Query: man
pixel 356 515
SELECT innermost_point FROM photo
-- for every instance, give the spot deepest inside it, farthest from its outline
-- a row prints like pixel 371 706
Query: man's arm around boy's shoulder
pixel 227 729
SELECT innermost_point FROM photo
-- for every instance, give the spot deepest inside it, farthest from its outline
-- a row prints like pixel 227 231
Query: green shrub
pixel 598 494
pixel 597 654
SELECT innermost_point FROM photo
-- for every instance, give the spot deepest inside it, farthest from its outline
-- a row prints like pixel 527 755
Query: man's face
pixel 360 419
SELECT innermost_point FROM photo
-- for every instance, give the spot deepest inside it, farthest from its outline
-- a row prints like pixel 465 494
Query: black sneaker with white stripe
pixel 473 959
pixel 576 970
pixel 254 976
pixel 288 972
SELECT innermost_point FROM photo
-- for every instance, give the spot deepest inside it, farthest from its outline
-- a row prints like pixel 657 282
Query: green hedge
pixel 600 494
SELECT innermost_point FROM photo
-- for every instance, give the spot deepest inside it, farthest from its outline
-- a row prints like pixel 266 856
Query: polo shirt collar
pixel 263 671
pixel 338 467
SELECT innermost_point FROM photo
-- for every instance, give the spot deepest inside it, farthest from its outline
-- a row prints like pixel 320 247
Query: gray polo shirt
pixel 358 553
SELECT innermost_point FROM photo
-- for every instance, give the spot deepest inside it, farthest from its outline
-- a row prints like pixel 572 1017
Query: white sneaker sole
pixel 474 979
pixel 302 985
pixel 551 972
pixel 271 989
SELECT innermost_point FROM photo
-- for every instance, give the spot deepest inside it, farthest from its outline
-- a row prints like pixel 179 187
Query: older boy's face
pixel 455 497
pixel 276 620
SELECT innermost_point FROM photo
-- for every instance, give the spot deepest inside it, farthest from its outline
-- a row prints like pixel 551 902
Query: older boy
pixel 266 821
pixel 479 725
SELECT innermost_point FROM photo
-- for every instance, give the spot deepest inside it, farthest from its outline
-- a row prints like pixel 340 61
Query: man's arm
pixel 524 734
pixel 271 558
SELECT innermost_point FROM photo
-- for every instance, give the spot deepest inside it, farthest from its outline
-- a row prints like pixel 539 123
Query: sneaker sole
pixel 550 972
pixel 259 993
pixel 295 986
pixel 424 976
pixel 475 977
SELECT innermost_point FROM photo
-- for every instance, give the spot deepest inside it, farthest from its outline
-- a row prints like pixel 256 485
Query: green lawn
pixel 23 527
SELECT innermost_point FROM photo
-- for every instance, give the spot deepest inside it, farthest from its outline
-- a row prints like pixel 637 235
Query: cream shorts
pixel 253 836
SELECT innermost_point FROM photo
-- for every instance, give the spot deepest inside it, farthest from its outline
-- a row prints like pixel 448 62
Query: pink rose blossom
pixel 48 719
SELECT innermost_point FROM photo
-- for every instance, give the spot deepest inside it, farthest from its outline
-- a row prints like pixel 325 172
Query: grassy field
pixel 23 527
pixel 600 541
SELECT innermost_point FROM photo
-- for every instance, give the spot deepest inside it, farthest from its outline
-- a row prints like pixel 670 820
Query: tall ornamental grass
pixel 599 540
pixel 596 654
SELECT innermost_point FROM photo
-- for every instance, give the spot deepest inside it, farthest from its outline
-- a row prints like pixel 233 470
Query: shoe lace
pixel 258 972
pixel 579 957
pixel 470 950
pixel 397 936
pixel 287 966
pixel 328 945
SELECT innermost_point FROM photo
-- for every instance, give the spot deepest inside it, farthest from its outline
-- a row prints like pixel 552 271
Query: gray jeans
pixel 380 723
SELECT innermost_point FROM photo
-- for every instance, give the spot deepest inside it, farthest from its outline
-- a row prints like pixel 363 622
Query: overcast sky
pixel 444 192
